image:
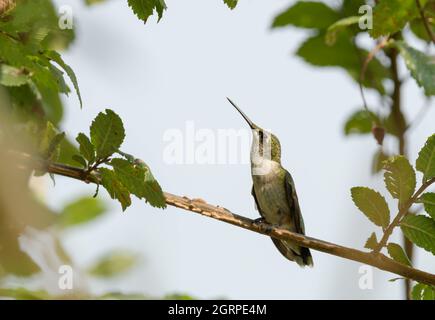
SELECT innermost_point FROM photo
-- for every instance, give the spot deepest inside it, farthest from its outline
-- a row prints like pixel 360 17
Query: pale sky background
pixel 157 77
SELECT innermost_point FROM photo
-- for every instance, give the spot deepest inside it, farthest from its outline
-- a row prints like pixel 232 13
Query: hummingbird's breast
pixel 271 195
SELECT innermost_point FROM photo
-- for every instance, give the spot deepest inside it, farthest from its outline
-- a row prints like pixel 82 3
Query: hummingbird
pixel 274 191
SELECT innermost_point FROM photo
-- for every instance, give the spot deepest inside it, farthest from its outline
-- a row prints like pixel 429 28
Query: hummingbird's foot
pixel 259 220
pixel 266 229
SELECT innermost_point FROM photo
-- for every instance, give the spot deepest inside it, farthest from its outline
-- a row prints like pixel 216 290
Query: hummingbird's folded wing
pixel 293 202
pixel 257 206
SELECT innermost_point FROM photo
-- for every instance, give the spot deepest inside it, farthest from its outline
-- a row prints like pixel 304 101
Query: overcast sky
pixel 159 77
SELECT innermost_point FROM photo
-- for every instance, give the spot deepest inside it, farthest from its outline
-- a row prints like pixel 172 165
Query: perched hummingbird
pixel 274 191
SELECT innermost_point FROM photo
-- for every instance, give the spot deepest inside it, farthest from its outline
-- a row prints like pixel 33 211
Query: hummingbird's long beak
pixel 251 124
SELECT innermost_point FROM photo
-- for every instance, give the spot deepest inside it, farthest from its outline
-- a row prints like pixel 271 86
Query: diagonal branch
pixel 199 206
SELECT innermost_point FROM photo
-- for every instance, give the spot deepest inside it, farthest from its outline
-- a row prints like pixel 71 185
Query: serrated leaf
pixel 114 264
pixel 360 122
pixel 428 200
pixel 56 57
pixel 372 204
pixel 390 16
pixel 307 14
pixel 426 159
pixel 421 66
pixel 231 3
pixel 378 161
pixel 143 9
pixel 399 178
pixel 115 188
pixel 372 242
pixel 420 230
pixel 81 211
pixel 398 254
pixel 12 77
pixel 107 133
pixel 86 147
pixel 331 33
pixel 139 181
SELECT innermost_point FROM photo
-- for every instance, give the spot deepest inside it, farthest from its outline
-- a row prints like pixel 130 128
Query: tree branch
pixel 199 206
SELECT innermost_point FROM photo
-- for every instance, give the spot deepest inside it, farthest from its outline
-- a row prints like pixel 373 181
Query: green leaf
pixel 87 149
pixel 344 54
pixel 351 7
pixel 429 293
pixel 143 9
pixel 231 3
pixel 307 14
pixel 12 77
pixel 417 291
pixel 107 133
pixel 378 161
pixel 390 16
pixel 426 159
pixel 331 34
pixel 80 160
pixel 81 211
pixel 56 57
pixel 153 192
pixel 54 147
pixel 398 254
pixel 24 294
pixel 360 122
pixel 419 30
pixel 420 230
pixel 114 264
pixel 372 242
pixel 399 178
pixel 115 188
pixel 428 199
pixel 92 2
pixel 49 146
pixel 372 204
pixel 67 151
pixel 423 292
pixel 139 181
pixel 421 66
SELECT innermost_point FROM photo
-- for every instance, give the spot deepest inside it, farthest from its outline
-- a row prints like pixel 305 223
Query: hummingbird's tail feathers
pixel 302 258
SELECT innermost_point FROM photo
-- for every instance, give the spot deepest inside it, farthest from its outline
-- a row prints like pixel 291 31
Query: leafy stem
pixel 401 214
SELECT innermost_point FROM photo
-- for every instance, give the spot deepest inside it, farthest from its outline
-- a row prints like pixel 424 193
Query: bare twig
pixel 199 206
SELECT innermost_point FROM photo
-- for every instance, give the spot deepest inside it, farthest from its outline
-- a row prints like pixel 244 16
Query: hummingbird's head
pixel 265 144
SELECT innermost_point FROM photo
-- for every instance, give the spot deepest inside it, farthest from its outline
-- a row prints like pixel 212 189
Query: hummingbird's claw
pixel 259 220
